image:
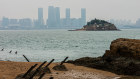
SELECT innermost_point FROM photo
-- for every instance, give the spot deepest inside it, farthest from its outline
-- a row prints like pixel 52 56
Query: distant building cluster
pixel 138 23
pixel 125 23
pixel 120 23
pixel 53 21
pixel 7 23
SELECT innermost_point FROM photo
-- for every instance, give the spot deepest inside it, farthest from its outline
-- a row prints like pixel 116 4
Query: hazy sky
pixel 102 9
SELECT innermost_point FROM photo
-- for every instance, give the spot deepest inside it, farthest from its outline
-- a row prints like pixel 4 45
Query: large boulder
pixel 123 58
pixel 124 48
pixel 120 65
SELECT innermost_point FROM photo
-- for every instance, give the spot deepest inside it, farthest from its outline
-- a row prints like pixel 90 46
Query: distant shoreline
pixel 93 30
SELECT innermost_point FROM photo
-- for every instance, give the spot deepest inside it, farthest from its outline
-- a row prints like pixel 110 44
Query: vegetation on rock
pixel 97 21
pixel 97 24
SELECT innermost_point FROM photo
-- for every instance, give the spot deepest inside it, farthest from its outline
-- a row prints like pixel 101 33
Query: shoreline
pixel 9 70
pixel 119 59
pixel 93 30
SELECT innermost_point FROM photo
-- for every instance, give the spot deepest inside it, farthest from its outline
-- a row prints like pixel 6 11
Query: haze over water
pixel 44 45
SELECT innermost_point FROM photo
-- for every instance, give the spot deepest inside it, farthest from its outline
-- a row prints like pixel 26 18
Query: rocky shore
pixel 123 58
pixel 11 70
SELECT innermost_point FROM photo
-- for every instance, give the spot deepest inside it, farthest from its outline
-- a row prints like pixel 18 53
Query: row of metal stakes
pixel 41 71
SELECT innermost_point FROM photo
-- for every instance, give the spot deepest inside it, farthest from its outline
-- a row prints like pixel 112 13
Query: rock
pixel 130 77
pixel 120 65
pixel 60 68
pixel 124 48
pixel 51 78
pixel 123 58
pixel 98 25
pixel 43 70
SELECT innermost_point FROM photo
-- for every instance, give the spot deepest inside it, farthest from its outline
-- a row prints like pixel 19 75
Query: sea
pixel 44 45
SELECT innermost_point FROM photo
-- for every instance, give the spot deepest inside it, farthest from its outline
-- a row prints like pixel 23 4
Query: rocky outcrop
pixel 101 25
pixel 98 25
pixel 124 48
pixel 120 65
pixel 123 58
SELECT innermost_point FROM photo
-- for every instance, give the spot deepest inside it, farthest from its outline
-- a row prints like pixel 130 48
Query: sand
pixel 9 70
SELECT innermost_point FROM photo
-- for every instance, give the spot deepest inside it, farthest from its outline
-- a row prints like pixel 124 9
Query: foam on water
pixel 48 44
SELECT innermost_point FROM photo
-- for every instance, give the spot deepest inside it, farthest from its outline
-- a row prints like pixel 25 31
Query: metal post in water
pixel 26 58
pixel 10 51
pixel 16 52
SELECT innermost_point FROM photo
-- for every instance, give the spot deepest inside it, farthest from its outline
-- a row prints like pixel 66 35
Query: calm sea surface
pixel 45 45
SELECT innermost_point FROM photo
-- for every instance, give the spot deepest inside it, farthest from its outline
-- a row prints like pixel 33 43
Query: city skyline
pixel 53 21
pixel 102 9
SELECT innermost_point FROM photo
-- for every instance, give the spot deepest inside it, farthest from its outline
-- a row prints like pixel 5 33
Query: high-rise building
pixel 83 16
pixel 57 13
pixel 53 17
pixel 40 17
pixel 68 21
pixel 67 13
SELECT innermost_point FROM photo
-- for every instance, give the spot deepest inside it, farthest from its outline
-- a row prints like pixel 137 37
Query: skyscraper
pixel 68 21
pixel 54 20
pixel 67 13
pixel 57 13
pixel 53 17
pixel 40 17
pixel 83 16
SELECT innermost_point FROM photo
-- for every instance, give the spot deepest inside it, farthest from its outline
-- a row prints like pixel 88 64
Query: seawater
pixel 44 45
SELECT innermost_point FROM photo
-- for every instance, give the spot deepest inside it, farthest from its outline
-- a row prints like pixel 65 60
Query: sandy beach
pixel 9 70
